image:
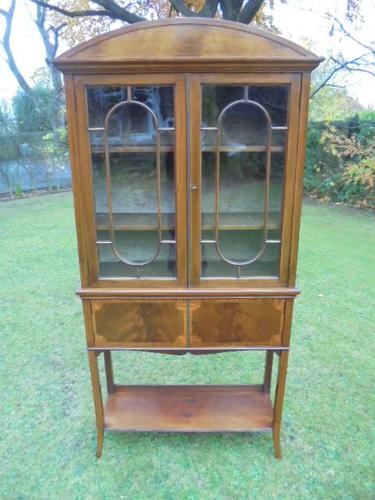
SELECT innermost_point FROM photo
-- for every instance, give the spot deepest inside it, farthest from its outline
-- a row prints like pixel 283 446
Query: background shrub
pixel 340 163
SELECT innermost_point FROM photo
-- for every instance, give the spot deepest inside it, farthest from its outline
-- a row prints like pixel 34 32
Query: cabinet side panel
pixel 298 193
pixel 74 161
pixel 147 323
pixel 290 177
pixel 288 317
pixel 89 330
pixel 236 322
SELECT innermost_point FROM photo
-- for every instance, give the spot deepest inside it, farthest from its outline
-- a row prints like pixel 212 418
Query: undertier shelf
pixel 189 408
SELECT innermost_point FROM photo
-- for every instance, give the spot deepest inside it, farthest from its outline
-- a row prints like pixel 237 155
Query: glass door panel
pixel 243 142
pixel 132 140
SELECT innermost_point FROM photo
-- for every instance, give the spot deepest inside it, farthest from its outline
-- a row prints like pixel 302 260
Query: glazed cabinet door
pixel 243 144
pixel 133 138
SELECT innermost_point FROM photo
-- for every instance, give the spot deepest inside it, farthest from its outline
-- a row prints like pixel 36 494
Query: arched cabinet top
pixel 186 45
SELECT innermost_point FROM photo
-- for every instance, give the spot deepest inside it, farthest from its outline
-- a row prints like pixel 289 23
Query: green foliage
pixel 366 126
pixel 30 159
pixel 18 192
pixel 332 104
pixel 340 161
pixel 55 144
pixel 330 98
pixel 55 151
pixel 8 143
pixel 33 139
pixel 8 149
pixel 33 112
pixel 38 111
pixel 362 174
pixel 356 158
pixel 7 123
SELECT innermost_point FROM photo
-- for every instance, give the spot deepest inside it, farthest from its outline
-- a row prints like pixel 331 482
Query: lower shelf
pixel 188 408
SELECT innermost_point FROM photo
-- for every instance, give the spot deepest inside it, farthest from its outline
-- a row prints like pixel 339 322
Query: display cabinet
pixel 187 142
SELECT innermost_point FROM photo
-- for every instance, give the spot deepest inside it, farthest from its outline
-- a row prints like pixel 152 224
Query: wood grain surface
pixel 148 323
pixel 188 42
pixel 188 409
pixel 236 322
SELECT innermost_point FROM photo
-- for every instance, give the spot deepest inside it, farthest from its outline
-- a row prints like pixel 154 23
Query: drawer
pixel 139 323
pixel 236 322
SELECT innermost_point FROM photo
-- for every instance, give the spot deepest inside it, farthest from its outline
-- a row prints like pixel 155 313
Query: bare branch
pixel 51 38
pixel 227 9
pixel 118 12
pixel 75 13
pixel 249 10
pixel 340 66
pixel 363 70
pixel 56 30
pixel 208 9
pixel 110 8
pixel 8 15
pixel 335 86
pixel 348 34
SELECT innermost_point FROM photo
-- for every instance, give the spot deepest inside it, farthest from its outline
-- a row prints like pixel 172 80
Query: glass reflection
pixel 138 193
pixel 243 186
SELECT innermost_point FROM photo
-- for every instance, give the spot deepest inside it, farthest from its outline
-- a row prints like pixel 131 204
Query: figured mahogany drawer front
pixel 139 323
pixel 236 322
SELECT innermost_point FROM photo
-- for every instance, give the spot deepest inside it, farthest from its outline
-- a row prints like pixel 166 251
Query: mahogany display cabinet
pixel 187 141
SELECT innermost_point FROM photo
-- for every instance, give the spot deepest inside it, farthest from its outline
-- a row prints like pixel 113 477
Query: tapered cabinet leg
pixel 99 442
pixel 276 440
pixel 109 371
pixel 268 372
pixel 98 401
pixel 279 401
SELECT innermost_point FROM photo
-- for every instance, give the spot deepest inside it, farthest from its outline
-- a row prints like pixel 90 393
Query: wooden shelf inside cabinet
pixel 170 149
pixel 179 408
pixel 238 221
pixel 135 222
pixel 119 270
pixel 242 149
pixel 132 149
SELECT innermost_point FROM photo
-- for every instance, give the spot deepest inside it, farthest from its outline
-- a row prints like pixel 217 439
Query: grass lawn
pixel 47 443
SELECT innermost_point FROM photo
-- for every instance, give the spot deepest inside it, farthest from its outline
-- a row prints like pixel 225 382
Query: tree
pixel 85 22
pixel 363 61
pixel 50 35
pixel 32 110
pixel 242 11
pixel 79 29
pixel 332 103
pixel 37 142
pixel 5 42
